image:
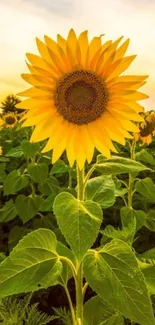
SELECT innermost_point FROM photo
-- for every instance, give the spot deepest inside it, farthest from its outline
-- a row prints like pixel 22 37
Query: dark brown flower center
pixel 81 97
pixel 10 120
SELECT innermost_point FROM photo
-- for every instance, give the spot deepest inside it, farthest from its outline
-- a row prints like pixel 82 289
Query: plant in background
pixel 9 104
pixel 146 128
pixel 10 120
pixel 15 311
pixel 80 101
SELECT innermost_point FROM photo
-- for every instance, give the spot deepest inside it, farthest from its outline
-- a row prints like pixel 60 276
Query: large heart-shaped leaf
pixel 33 264
pixel 114 274
pixel 79 221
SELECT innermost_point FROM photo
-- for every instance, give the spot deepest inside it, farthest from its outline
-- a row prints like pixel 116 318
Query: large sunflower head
pixel 10 120
pixel 80 98
pixel 146 128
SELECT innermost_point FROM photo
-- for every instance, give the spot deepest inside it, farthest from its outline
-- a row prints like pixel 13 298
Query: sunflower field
pixel 77 188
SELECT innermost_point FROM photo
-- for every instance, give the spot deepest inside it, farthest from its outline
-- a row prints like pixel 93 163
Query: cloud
pixel 59 7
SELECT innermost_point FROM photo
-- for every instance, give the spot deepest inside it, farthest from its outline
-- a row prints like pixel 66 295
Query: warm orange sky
pixel 22 20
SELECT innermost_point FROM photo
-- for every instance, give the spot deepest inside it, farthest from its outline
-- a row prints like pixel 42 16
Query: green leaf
pixel 145 157
pixel 66 274
pixel 14 182
pixel 16 152
pixel 101 189
pixel 150 220
pixel 97 312
pixel 79 221
pixel 38 172
pixel 27 207
pixel 29 149
pixel 50 187
pixel 126 234
pixel 119 190
pixel 47 204
pixel 33 264
pixel 2 172
pixel 114 274
pixel 128 214
pixel 16 233
pixel 119 165
pixel 8 211
pixel 60 167
pixel 148 271
pixel 146 188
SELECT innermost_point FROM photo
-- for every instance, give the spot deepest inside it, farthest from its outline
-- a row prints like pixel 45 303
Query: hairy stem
pixel 70 305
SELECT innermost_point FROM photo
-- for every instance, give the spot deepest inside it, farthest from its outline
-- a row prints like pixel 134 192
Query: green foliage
pixel 101 189
pixel 114 274
pixel 27 207
pixel 34 258
pixel 14 182
pixel 47 233
pixel 146 188
pixel 118 165
pixel 8 212
pixel 98 312
pixel 15 311
pixel 79 221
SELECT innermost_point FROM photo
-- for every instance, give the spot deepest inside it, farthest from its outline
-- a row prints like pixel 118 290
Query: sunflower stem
pixel 79 266
pixel 79 294
pixel 80 183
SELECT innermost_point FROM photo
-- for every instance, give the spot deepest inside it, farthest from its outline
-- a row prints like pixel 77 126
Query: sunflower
pixel 79 98
pixel 1 151
pixel 146 128
pixel 10 120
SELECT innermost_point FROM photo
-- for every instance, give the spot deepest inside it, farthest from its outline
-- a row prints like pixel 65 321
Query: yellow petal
pixel 38 70
pixel 61 142
pixel 36 79
pixel 57 129
pixel 98 140
pixel 122 50
pixel 79 149
pixel 37 119
pixel 119 67
pixel 70 150
pixel 44 130
pixel 95 46
pixel 87 143
pixel 62 42
pixel 34 92
pixel 83 43
pixel 37 61
pixel 32 103
pixel 98 60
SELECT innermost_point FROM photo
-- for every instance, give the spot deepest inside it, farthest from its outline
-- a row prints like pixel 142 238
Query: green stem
pixel 69 262
pixel 70 305
pixel 84 289
pixel 79 295
pixel 80 183
pixel 70 181
pixel 79 266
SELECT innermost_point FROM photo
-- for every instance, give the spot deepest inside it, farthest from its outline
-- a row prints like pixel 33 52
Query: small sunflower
pixel 1 151
pixel 146 129
pixel 10 120
pixel 79 98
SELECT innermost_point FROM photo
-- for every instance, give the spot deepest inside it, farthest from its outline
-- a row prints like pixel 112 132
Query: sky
pixel 23 20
